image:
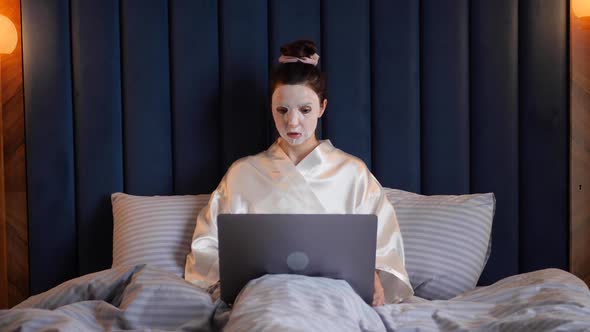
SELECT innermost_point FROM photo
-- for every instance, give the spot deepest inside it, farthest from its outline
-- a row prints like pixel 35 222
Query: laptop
pixel 326 245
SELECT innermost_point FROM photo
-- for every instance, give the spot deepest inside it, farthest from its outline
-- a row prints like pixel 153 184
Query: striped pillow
pixel 446 240
pixel 155 230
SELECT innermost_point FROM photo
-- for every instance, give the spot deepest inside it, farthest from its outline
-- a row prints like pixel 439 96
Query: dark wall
pixel 159 97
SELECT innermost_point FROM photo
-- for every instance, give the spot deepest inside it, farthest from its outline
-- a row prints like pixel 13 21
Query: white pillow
pixel 155 230
pixel 446 240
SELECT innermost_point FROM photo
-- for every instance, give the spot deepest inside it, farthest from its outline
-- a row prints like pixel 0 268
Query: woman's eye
pixel 305 110
pixel 282 110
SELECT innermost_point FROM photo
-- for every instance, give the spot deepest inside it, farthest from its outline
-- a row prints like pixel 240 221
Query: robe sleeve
pixel 202 263
pixel 390 261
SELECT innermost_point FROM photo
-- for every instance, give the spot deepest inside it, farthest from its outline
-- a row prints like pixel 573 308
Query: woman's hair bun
pixel 298 64
pixel 299 48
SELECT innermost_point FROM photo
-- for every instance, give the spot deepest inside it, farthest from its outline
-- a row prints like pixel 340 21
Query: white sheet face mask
pixel 295 110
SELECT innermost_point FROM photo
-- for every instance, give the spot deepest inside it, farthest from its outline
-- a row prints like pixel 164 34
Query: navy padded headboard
pixel 159 97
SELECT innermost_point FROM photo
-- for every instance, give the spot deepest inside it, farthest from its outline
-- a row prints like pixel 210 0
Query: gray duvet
pixel 146 298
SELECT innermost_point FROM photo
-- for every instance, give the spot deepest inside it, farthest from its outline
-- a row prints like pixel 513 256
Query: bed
pixel 447 241
pixel 147 100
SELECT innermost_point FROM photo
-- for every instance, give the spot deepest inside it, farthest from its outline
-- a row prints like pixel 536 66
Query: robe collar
pixel 309 162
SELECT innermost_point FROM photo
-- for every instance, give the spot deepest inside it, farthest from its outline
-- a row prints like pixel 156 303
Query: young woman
pixel 300 174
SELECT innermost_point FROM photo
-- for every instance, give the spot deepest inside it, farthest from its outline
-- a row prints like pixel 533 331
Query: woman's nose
pixel 292 118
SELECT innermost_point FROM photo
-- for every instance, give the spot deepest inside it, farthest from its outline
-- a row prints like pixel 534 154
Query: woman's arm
pixel 378 292
pixel 390 250
pixel 202 263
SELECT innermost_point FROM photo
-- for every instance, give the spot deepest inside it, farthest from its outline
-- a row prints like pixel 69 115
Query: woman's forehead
pixel 294 93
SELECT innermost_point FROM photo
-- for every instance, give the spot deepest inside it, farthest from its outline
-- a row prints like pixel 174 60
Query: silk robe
pixel 327 180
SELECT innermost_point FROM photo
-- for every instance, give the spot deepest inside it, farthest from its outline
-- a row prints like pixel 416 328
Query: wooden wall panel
pixel 3 256
pixel 14 172
pixel 580 140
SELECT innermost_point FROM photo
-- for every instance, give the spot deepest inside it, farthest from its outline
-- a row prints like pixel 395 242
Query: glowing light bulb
pixel 581 8
pixel 8 36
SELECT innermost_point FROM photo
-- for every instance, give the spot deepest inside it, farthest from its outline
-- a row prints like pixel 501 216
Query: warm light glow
pixel 8 37
pixel 581 8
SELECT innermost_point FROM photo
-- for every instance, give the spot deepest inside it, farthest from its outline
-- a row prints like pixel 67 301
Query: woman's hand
pixel 378 293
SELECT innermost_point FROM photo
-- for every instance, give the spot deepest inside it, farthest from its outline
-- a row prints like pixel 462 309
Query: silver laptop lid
pixel 333 246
